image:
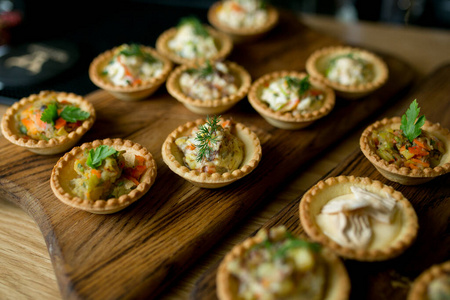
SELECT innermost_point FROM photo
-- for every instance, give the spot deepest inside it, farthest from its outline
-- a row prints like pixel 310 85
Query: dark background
pixel 88 28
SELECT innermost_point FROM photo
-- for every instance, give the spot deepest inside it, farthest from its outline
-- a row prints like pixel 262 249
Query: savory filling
pixel 49 118
pixel 280 267
pixel 243 13
pixel 291 94
pixel 105 173
pixel 439 288
pixel 409 146
pixel 349 69
pixel 212 148
pixel 212 81
pixel 192 40
pixel 360 219
pixel 131 66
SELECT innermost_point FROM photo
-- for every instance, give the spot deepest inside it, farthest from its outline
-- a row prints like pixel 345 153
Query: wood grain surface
pixel 139 251
pixel 389 279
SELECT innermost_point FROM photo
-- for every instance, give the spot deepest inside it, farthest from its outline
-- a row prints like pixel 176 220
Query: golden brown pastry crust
pixel 241 35
pixel 137 92
pixel 317 63
pixel 222 41
pixel 325 190
pixel 173 157
pixel 419 287
pixel 287 120
pixel 338 286
pixel 210 107
pixel 404 175
pixel 52 146
pixel 63 172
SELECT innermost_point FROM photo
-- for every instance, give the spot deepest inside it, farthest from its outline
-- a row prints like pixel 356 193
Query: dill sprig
pixel 203 71
pixel 207 136
pixel 302 84
pixel 135 50
pixel 199 29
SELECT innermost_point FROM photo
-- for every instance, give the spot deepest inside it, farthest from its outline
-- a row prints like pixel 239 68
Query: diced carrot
pixel 41 124
pixel 418 161
pixel 225 123
pixel 315 92
pixel 419 143
pixel 60 122
pixel 402 148
pixel 29 124
pixel 96 173
pixel 140 160
pixel 236 7
pixel 137 171
pixel 418 151
pixel 131 178
pixel 410 165
pixel 210 169
pixel 191 147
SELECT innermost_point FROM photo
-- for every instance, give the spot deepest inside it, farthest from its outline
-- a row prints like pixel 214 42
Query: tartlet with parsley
pixel 351 72
pixel 130 72
pixel 409 150
pixel 279 265
pixel 49 122
pixel 290 99
pixel 243 21
pixel 212 153
pixel 209 88
pixel 103 176
pixel 192 42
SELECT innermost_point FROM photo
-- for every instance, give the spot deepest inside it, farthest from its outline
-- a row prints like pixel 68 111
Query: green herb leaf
pixel 73 114
pixel 409 126
pixel 207 136
pixel 98 155
pixel 302 84
pixel 208 69
pixel 199 29
pixel 50 114
pixel 135 50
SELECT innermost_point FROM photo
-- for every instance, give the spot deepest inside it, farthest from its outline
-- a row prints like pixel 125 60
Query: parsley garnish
pixel 50 114
pixel 302 84
pixel 411 127
pixel 69 113
pixel 135 50
pixel 206 136
pixel 98 155
pixel 199 29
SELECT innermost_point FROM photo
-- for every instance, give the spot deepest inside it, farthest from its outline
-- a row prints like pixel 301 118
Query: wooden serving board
pixel 389 279
pixel 138 252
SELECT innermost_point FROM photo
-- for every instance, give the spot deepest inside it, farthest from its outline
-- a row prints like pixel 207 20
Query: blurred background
pixel 71 33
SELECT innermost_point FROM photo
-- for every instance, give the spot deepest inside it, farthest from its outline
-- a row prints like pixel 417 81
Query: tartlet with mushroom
pixel 408 150
pixel 192 42
pixel 243 20
pixel 130 72
pixel 212 153
pixel 290 99
pixel 352 72
pixel 210 88
pixel 103 176
pixel 49 122
pixel 279 265
pixel 358 218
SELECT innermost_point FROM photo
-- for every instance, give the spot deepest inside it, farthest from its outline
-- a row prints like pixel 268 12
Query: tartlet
pixel 11 125
pixel 214 106
pixel 319 61
pixel 243 34
pixel 405 175
pixel 173 156
pixel 288 119
pixel 223 43
pixel 335 284
pixel 364 238
pixel 421 288
pixel 63 172
pixel 133 92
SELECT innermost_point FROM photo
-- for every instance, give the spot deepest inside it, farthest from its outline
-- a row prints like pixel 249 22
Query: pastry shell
pixel 242 35
pixel 338 283
pixel 405 175
pixel 287 120
pixel 173 157
pixel 222 41
pixel 52 146
pixel 64 171
pixel 137 92
pixel 316 197
pixel 317 63
pixel 419 287
pixel 210 107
